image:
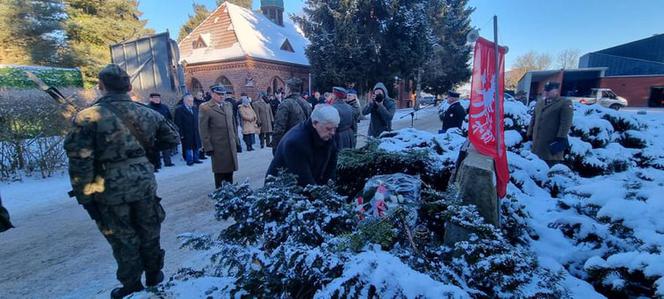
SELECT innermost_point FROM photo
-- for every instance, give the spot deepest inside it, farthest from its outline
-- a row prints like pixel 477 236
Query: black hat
pixel 453 94
pixel 218 89
pixel 154 94
pixel 549 86
pixel 115 78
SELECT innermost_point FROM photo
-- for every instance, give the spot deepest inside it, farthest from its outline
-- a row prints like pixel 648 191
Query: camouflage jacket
pixel 107 163
pixel 292 111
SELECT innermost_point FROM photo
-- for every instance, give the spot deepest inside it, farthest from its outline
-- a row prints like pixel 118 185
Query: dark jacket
pixel 198 102
pixel 236 110
pixel 313 101
pixel 274 105
pixel 452 117
pixel 187 123
pixel 303 153
pixel 292 111
pixel 345 136
pixel 162 109
pixel 5 224
pixel 381 115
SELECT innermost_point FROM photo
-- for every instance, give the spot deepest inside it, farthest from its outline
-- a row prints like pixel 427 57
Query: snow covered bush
pixel 592 224
pixel 408 151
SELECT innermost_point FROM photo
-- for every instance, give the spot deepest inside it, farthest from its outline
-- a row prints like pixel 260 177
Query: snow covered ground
pixel 56 251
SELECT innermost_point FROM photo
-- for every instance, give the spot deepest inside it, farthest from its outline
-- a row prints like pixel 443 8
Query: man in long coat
pixel 219 135
pixel 265 119
pixel 186 119
pixel 344 136
pixel 550 125
pixel 351 99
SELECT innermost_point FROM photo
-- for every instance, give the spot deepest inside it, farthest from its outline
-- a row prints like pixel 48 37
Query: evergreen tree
pixel 32 32
pixel 449 64
pixel 346 40
pixel 366 41
pixel 408 38
pixel 200 13
pixel 248 4
pixel 92 26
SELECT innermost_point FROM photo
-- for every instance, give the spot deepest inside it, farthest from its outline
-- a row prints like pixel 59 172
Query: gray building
pixel 637 58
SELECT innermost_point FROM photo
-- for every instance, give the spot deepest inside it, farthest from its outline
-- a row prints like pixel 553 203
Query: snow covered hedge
pixel 594 221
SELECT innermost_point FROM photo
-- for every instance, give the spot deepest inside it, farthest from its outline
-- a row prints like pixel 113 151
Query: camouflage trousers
pixel 133 230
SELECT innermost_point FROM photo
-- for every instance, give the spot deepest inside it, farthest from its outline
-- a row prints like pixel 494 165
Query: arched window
pixel 225 82
pixel 195 86
pixel 277 84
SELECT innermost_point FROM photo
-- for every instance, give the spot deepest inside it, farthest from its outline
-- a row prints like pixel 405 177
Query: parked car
pixel 427 100
pixel 603 96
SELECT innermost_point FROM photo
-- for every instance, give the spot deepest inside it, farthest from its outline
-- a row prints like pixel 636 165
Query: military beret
pixel 154 94
pixel 115 78
pixel 549 86
pixel 218 89
pixel 453 94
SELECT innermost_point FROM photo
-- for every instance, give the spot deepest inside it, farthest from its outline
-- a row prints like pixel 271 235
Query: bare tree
pixel 530 61
pixel 568 58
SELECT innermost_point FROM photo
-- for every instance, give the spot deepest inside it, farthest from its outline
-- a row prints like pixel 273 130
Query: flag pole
pixel 497 102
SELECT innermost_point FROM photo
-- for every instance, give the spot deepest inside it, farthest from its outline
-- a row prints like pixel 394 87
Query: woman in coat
pixel 249 122
pixel 218 135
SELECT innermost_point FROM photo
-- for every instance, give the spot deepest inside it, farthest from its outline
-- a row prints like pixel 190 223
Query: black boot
pixel 124 291
pixel 153 279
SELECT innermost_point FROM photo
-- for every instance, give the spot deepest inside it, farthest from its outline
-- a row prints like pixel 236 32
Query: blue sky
pixel 544 27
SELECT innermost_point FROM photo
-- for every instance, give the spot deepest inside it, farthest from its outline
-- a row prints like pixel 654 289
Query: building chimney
pixel 273 10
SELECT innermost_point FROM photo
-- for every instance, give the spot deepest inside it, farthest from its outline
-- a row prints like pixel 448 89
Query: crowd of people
pixel 115 146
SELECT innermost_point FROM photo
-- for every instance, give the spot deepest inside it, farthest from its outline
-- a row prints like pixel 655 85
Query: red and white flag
pixel 486 129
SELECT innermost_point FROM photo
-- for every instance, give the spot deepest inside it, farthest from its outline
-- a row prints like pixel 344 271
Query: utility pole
pixel 497 103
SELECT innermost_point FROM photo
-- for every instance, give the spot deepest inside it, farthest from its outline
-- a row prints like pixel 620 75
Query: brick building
pixel 244 50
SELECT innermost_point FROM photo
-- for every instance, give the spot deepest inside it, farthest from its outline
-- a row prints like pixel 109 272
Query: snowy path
pixel 56 251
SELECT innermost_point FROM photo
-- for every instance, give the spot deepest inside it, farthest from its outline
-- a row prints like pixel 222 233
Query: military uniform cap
pixel 218 89
pixel 339 92
pixel 453 94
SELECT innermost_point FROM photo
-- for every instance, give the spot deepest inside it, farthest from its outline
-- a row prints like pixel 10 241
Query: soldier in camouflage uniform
pixel 291 112
pixel 113 180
